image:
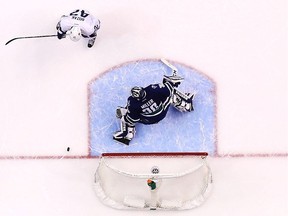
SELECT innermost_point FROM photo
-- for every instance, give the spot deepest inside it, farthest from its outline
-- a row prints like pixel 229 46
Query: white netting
pixel 183 181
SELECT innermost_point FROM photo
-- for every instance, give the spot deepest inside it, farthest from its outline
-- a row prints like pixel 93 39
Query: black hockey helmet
pixel 138 92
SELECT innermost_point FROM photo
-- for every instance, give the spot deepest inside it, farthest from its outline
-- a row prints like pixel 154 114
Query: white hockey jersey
pixel 87 22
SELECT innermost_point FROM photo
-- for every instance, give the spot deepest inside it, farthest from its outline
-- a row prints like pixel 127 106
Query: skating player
pixel 79 23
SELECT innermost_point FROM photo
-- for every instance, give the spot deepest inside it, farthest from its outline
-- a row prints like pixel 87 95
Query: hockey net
pixel 153 180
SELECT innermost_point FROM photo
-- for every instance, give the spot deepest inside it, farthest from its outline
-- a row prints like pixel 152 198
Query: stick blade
pixel 9 41
pixel 27 37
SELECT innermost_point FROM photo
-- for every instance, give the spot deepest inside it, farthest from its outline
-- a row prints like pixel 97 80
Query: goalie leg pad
pixel 126 134
pixel 183 101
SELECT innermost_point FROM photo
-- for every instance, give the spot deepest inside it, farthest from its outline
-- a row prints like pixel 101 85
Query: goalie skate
pixel 122 140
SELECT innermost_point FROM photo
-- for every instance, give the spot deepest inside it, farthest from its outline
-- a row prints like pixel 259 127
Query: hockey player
pixel 150 105
pixel 78 23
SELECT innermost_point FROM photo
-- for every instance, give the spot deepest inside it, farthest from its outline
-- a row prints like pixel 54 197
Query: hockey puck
pixel 68 148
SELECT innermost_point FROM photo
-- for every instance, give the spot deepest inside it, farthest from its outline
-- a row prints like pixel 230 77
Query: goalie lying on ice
pixel 150 105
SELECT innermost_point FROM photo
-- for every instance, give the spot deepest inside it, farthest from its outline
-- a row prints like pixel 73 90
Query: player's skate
pixel 122 140
pixel 124 136
pixel 91 42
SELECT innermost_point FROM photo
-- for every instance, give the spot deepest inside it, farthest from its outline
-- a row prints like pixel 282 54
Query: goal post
pixel 174 180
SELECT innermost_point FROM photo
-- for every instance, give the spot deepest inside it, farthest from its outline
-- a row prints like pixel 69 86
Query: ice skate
pixel 91 42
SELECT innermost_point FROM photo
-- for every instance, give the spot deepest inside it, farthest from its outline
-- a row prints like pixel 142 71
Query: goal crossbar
pixel 152 154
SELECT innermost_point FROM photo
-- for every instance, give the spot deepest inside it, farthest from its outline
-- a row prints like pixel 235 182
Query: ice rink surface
pixel 241 45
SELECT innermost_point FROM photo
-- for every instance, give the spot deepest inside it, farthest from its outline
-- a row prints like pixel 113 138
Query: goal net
pixel 153 180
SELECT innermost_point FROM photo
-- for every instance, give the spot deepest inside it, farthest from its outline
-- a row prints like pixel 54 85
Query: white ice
pixel 241 45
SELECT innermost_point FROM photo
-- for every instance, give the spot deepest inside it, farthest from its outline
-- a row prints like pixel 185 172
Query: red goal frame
pixel 152 154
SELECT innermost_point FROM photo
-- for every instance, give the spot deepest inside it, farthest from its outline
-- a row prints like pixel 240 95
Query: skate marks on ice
pixel 178 132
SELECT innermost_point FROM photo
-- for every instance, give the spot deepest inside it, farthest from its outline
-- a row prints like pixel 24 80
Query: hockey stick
pixel 27 37
pixel 175 70
pixel 186 97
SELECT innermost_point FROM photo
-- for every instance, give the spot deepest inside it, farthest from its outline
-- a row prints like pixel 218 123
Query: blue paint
pixel 178 132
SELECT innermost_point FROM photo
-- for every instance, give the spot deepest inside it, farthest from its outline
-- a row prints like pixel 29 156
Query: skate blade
pixel 122 141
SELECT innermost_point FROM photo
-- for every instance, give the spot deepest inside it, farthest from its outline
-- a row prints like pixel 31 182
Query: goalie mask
pixel 138 92
pixel 75 33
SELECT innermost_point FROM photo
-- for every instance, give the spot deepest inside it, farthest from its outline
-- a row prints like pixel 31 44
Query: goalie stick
pixel 175 70
pixel 27 37
pixel 174 78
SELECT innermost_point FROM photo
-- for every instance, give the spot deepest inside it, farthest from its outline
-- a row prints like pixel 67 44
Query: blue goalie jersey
pixel 152 108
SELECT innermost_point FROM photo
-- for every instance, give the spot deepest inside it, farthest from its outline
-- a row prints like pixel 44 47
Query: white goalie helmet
pixel 75 33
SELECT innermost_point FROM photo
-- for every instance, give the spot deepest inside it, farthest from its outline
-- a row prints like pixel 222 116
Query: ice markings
pixel 178 132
